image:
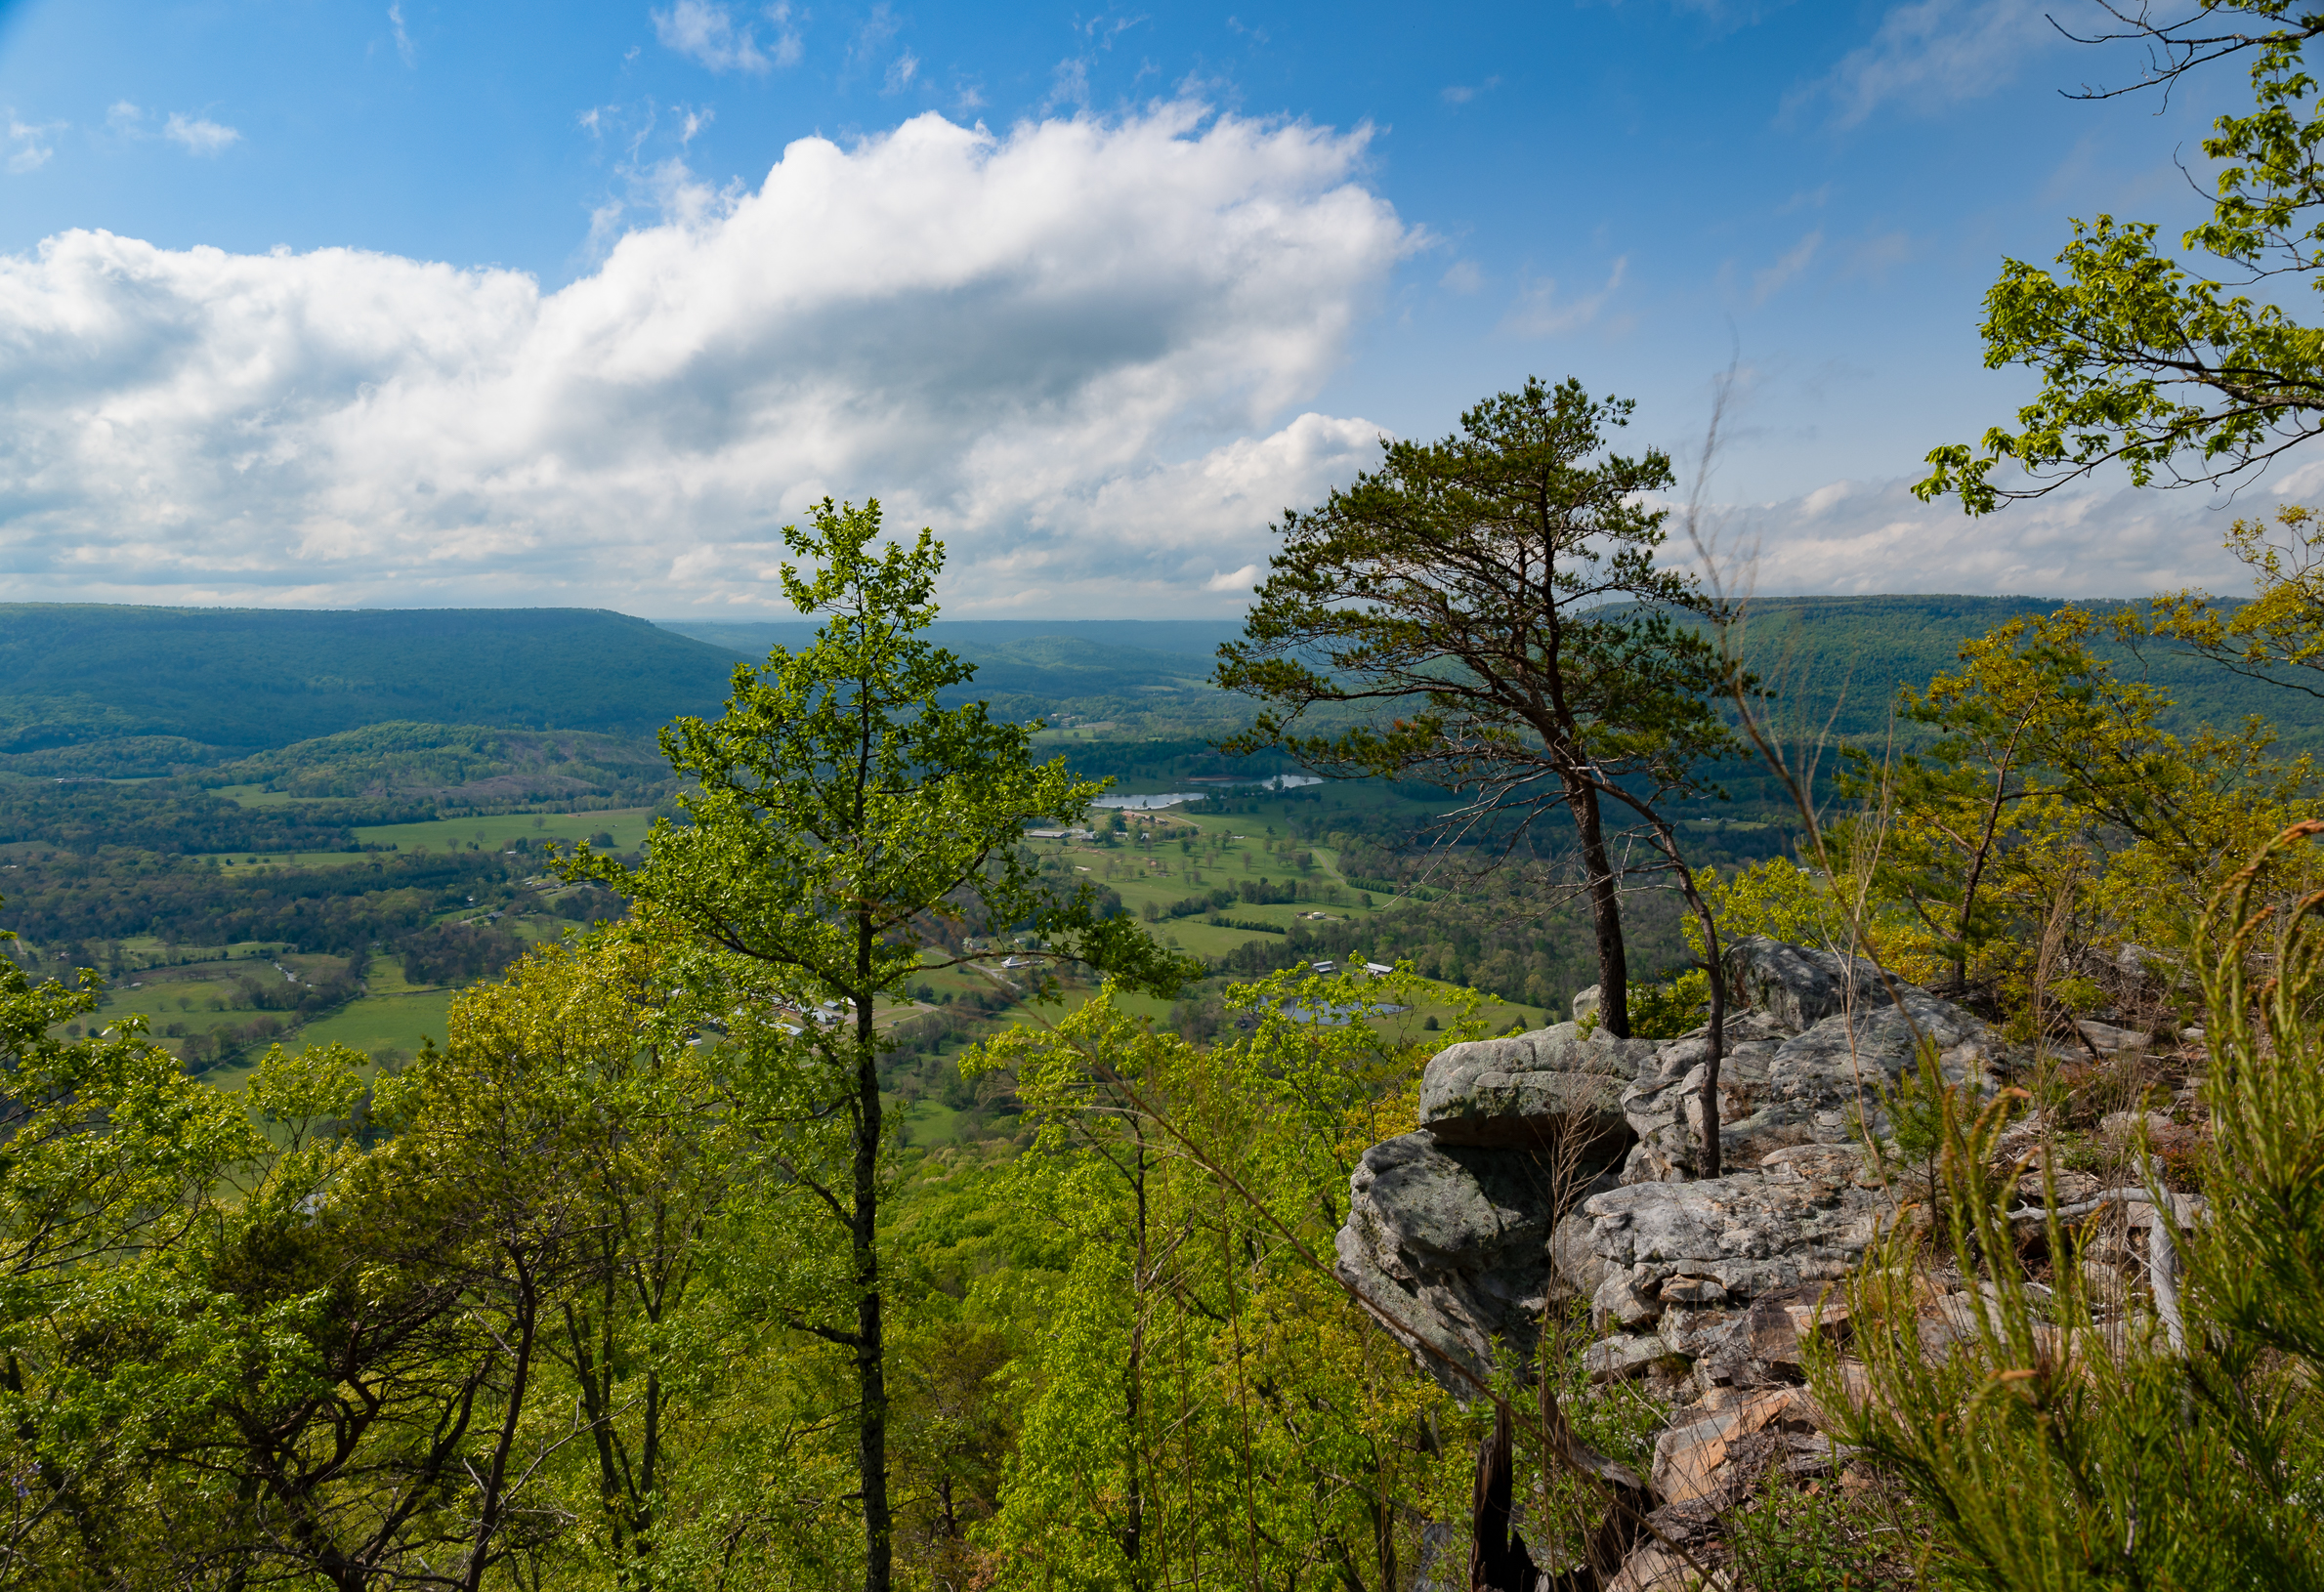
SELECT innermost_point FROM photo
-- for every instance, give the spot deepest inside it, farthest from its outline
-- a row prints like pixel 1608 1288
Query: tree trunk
pixel 1134 1527
pixel 1497 1558
pixel 871 1385
pixel 1712 1156
pixel 494 1507
pixel 1605 912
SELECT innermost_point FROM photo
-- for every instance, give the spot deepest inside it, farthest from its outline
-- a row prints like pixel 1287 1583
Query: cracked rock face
pixel 1779 1088
pixel 1448 1246
pixel 1797 986
pixel 1549 1090
pixel 1460 1234
pixel 1685 1254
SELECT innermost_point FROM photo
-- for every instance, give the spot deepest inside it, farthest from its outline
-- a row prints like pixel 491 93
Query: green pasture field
pixel 144 952
pixel 183 994
pixel 392 1013
pixel 1243 834
pixel 925 1124
pixel 197 995
pixel 1164 874
pixel 1049 1013
pixel 626 824
pixel 378 1022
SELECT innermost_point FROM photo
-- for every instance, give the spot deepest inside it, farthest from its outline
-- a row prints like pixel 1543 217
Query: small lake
pixel 1217 787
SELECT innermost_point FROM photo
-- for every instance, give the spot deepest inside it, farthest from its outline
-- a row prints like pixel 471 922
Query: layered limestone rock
pixel 1448 1245
pixel 1447 1237
pixel 1550 1089
pixel 1797 986
pixel 1802 1067
pixel 1693 1251
pixel 1460 1234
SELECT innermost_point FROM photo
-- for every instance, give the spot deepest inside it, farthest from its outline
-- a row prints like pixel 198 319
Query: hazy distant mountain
pixel 1191 641
pixel 123 691
pixel 199 682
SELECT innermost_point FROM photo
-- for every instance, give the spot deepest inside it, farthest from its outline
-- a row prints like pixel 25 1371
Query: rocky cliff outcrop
pixel 1557 1166
pixel 1553 1166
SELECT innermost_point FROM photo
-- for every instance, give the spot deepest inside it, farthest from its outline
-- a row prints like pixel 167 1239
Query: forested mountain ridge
pixel 119 690
pixel 1837 663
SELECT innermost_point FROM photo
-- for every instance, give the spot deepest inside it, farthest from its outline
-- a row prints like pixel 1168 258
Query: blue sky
pixel 317 304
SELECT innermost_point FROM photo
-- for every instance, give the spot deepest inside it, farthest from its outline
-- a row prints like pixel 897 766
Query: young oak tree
pixel 1498 591
pixel 2170 365
pixel 841 810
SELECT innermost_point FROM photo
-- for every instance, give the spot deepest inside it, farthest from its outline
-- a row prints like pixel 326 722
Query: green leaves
pixel 1203 1398
pixel 843 811
pixel 1496 593
pixel 1495 598
pixel 2148 363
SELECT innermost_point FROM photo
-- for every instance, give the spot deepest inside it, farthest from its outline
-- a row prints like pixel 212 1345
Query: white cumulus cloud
pixel 1070 348
pixel 708 35
pixel 198 133
pixel 1856 538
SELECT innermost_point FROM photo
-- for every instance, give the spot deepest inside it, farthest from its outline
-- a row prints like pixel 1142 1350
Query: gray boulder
pixel 1460 1236
pixel 1823 1086
pixel 1796 985
pixel 1549 1090
pixel 1448 1246
pixel 1681 1264
pixel 1665 1108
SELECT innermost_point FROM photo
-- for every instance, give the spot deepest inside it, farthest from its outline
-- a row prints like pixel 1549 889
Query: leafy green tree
pixel 1496 595
pixel 2164 818
pixel 113 1159
pixel 2278 635
pixel 637 1342
pixel 1978 797
pixel 1208 1401
pixel 840 812
pixel 2173 368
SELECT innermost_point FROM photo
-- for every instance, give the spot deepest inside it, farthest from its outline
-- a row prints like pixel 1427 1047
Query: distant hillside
pixel 1839 661
pixel 113 691
pixel 458 766
pixel 978 640
pixel 1055 669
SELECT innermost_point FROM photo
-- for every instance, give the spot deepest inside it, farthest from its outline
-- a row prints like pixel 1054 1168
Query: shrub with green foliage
pixel 2179 1441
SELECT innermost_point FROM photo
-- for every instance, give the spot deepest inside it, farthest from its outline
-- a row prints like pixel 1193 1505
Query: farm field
pixel 1170 856
pixel 186 992
pixel 376 1021
pixel 189 1001
pixel 628 826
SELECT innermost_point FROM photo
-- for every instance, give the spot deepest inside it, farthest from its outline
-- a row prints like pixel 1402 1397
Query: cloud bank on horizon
pixel 1084 351
pixel 1079 349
